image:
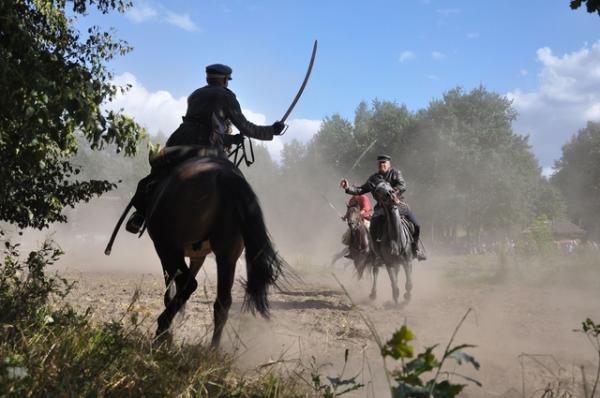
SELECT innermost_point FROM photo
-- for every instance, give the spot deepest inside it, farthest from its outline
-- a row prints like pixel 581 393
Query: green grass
pixel 61 353
pixel 48 349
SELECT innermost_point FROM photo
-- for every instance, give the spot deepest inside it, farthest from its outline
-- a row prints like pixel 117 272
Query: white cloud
pixel 524 72
pixel 141 12
pixel 182 21
pixel 160 111
pixel 144 11
pixel 568 95
pixel 472 35
pixel 433 77
pixel 436 55
pixel 406 56
pixel 548 171
pixel 157 111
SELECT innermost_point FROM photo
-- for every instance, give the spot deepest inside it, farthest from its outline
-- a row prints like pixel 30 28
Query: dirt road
pixel 518 309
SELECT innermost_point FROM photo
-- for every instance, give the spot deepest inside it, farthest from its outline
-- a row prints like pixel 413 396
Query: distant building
pixel 566 230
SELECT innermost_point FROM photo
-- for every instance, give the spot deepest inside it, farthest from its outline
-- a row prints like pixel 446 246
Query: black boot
pixel 417 253
pixel 135 222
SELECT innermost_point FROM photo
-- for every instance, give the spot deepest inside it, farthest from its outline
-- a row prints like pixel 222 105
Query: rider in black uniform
pixel 394 177
pixel 209 109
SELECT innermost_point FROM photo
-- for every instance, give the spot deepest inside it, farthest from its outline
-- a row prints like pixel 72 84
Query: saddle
pixel 170 157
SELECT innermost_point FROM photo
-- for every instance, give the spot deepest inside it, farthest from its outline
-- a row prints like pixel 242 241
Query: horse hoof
pixel 407 296
pixel 372 296
pixel 163 337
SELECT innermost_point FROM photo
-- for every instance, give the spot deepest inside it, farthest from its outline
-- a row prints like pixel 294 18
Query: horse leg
pixel 408 285
pixel 195 265
pixel 393 273
pixel 225 278
pixel 373 294
pixel 339 255
pixel 173 261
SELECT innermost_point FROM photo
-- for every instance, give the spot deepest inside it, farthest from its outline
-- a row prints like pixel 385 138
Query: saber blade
pixel 332 206
pixel 310 66
pixel 362 155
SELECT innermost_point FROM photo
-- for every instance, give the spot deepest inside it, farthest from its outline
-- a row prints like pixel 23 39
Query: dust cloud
pixel 520 305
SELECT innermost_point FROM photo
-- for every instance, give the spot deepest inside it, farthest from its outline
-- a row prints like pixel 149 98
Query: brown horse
pixel 359 240
pixel 205 205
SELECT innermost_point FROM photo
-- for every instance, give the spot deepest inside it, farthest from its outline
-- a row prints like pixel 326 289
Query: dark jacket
pixel 393 177
pixel 197 125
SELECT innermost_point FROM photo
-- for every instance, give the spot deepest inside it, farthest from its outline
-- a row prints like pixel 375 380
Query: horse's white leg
pixel 373 294
pixel 393 273
pixel 408 285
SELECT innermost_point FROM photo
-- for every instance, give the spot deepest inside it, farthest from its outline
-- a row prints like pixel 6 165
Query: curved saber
pixel 362 155
pixel 310 66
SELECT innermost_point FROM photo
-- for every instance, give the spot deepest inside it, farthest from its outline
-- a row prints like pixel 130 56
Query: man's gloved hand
pixel 278 127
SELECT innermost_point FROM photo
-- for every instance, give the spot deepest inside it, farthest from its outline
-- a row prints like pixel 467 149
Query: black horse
pixel 206 205
pixel 382 238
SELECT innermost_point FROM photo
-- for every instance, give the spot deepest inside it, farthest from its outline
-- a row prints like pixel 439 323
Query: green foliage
pixel 592 332
pixel 24 286
pixel 591 5
pixel 578 177
pixel 541 234
pixel 54 84
pixel 590 328
pixel 550 202
pixel 336 386
pixel 409 377
pixel 398 346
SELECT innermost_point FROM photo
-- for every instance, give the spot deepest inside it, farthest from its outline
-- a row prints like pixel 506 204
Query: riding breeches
pixel 410 216
pixel 378 224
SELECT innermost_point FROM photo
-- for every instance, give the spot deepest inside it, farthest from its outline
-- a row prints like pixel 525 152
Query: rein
pixel 244 156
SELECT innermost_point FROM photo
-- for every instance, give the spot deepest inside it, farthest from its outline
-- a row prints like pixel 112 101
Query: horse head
pixel 385 194
pixel 353 217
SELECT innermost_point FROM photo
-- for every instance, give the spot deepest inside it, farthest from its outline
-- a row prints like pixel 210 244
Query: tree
pixel 591 5
pixel 474 173
pixel 550 202
pixel 54 82
pixel 578 177
pixel 466 170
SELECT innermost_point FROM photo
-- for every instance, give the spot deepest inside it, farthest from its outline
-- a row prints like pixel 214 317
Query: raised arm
pixel 353 190
pixel 248 128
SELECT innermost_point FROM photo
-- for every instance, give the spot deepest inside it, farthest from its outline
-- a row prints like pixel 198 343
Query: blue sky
pixel 409 51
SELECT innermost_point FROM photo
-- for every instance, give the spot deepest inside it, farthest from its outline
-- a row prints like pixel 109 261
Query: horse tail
pixel 263 263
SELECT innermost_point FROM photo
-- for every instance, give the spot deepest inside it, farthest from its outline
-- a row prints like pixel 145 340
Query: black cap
pixel 218 71
pixel 382 158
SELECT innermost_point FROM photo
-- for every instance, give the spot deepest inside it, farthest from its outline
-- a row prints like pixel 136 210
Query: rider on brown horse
pixel 366 211
pixel 211 109
pixel 394 178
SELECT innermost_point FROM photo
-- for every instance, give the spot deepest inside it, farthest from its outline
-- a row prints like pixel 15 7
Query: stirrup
pixel 135 222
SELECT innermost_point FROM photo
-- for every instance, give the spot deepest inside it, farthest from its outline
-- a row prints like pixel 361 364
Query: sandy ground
pixel 517 309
